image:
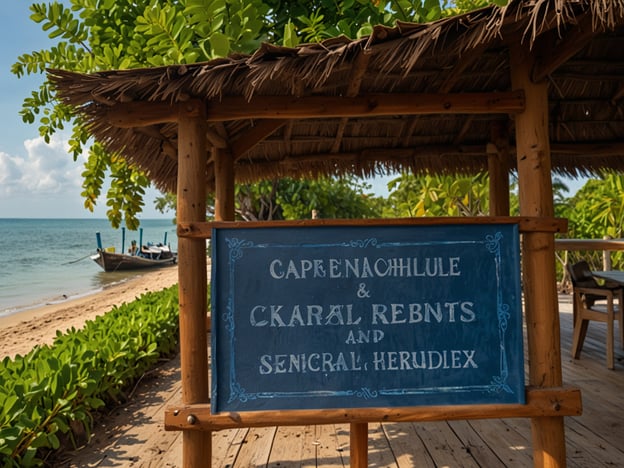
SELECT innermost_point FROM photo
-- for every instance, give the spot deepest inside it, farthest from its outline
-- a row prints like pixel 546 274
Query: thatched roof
pixel 250 98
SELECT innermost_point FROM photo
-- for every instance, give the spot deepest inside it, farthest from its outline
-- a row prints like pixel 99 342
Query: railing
pixel 605 244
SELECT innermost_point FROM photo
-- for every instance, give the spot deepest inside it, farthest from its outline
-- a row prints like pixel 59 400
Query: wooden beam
pixel 589 244
pixel 257 133
pixel 280 107
pixel 140 114
pixel 216 140
pixel 564 401
pixel 525 224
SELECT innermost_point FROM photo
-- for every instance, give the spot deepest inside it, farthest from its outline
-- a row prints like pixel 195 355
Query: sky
pixel 39 180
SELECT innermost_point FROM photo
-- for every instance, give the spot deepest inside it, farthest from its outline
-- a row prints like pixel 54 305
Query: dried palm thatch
pixel 579 46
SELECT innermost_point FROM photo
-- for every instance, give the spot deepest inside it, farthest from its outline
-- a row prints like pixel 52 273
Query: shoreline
pixel 51 298
pixel 22 330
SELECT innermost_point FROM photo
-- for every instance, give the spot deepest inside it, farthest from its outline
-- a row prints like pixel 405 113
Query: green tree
pixel 597 209
pixel 437 196
pixel 296 199
pixel 94 35
pixel 329 197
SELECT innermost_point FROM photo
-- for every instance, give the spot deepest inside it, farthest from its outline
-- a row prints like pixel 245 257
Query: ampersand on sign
pixel 362 292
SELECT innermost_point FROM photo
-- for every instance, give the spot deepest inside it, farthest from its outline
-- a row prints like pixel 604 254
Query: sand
pixel 19 332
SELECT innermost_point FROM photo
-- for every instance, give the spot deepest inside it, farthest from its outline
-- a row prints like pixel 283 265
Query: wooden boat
pixel 152 256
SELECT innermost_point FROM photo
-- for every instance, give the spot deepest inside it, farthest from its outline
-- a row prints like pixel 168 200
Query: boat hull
pixel 110 261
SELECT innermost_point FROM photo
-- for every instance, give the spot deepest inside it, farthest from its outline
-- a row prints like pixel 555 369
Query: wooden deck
pixel 593 439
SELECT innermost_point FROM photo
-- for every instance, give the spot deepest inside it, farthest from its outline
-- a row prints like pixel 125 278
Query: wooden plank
pixel 308 448
pixel 379 451
pixel 343 441
pixel 444 446
pixel 407 447
pixel 256 447
pixel 327 454
pixel 474 444
pixel 201 230
pixel 511 443
pixel 226 446
pixel 287 448
pixel 588 449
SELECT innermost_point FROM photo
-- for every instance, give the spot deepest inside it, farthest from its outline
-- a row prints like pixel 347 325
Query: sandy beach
pixel 21 331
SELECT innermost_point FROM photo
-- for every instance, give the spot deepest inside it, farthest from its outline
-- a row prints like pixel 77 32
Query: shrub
pixel 48 393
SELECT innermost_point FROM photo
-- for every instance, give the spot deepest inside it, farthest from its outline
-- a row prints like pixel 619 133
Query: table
pixel 613 276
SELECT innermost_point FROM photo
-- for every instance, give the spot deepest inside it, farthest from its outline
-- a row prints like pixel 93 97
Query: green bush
pixel 48 393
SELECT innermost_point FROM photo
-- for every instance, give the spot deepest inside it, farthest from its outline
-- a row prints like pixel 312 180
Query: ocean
pixel 47 260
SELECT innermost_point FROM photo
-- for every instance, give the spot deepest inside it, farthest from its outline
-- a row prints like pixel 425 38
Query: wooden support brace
pixel 540 402
pixel 525 224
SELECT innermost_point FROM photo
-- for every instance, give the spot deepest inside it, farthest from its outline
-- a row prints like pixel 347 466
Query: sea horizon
pixel 47 259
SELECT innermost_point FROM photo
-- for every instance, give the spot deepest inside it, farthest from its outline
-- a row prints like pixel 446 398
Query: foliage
pixel 597 210
pixel 437 196
pixel 295 199
pixel 94 35
pixel 45 394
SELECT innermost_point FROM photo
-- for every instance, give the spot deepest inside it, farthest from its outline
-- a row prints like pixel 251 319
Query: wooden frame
pixel 542 403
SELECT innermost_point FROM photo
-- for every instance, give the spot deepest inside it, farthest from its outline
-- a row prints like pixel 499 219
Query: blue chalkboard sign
pixel 366 316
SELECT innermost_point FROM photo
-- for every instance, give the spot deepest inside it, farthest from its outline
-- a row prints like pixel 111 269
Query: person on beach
pixel 133 250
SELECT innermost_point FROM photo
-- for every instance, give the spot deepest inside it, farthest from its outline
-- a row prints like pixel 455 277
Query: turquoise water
pixel 47 260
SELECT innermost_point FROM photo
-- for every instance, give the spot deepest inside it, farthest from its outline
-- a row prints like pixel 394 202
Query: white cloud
pixel 45 168
pixel 45 182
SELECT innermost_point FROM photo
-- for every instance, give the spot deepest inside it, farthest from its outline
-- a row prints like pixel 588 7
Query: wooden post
pixel 498 170
pixel 540 289
pixel 192 276
pixel 359 445
pixel 224 185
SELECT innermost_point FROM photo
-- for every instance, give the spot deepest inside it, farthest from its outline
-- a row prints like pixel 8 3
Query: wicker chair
pixel 594 302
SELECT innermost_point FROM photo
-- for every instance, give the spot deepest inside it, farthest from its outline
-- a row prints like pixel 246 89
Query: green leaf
pixel 219 45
